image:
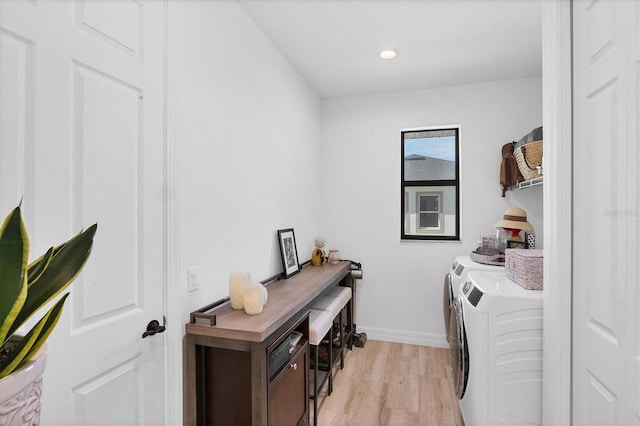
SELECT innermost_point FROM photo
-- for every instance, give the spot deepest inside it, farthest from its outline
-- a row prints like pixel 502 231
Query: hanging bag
pixel 509 173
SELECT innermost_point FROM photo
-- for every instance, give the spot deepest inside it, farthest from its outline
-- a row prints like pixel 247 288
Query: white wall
pixel 400 297
pixel 245 149
pixel 243 161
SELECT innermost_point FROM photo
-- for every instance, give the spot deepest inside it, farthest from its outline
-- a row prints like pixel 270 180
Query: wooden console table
pixel 228 378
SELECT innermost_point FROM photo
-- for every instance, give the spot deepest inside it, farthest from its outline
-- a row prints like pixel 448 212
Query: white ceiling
pixel 334 44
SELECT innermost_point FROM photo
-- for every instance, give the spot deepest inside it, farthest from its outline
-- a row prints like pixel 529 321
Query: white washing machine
pixel 452 281
pixel 497 351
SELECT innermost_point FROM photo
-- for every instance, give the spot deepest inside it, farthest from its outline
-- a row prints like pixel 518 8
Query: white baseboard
pixel 401 336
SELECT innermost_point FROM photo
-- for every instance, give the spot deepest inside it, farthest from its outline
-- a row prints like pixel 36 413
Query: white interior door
pixel 82 140
pixel 606 232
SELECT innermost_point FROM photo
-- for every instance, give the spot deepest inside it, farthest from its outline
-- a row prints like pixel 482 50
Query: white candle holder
pixel 238 282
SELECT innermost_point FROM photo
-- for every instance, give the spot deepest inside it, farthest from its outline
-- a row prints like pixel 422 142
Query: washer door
pixel 459 349
pixel 447 304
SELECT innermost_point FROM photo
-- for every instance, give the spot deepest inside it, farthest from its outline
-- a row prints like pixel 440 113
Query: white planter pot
pixel 20 393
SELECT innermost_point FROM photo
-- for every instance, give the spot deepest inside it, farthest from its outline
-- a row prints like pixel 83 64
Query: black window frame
pixel 404 184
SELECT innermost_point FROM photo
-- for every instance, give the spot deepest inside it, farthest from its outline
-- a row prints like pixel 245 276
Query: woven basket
pixel 528 157
pixel 524 267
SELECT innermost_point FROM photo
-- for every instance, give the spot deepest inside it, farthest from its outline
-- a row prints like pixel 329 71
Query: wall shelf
pixel 528 183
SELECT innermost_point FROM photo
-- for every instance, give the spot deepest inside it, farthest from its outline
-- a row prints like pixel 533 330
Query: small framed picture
pixel 289 252
pixel 516 244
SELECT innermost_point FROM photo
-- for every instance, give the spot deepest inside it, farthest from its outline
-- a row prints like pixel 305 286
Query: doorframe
pixel 173 398
pixel 557 215
pixel 557 210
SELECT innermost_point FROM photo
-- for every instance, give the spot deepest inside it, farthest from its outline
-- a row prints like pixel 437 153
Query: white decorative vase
pixel 20 393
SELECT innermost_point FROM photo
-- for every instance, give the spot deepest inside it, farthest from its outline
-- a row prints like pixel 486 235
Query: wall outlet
pixel 192 279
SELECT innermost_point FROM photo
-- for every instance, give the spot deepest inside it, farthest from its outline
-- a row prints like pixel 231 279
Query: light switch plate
pixel 192 279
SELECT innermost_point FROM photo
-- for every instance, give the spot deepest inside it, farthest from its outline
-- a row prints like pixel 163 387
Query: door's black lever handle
pixel 154 327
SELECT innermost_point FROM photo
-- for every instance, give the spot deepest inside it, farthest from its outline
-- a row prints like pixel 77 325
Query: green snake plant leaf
pixel 54 271
pixel 38 266
pixel 14 252
pixel 33 340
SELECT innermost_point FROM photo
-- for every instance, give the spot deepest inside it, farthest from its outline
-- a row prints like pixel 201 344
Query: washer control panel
pixel 473 293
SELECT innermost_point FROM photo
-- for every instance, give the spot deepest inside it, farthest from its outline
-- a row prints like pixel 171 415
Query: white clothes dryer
pixel 452 281
pixel 497 351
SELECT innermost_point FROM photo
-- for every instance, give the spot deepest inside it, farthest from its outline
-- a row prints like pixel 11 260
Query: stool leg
pixel 315 385
pixel 341 342
pixel 330 391
pixel 350 322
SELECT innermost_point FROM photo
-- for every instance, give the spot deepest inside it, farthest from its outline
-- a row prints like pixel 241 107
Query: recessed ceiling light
pixel 388 54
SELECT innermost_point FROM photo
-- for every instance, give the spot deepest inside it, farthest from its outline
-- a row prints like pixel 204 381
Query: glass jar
pixel 334 256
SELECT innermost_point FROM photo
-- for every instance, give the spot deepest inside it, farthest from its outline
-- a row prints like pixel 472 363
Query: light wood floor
pixel 392 384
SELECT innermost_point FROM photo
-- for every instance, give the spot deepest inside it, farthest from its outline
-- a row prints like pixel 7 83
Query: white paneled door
pixel 82 140
pixel 606 276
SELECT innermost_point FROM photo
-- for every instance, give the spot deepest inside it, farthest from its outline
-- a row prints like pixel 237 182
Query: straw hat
pixel 514 218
